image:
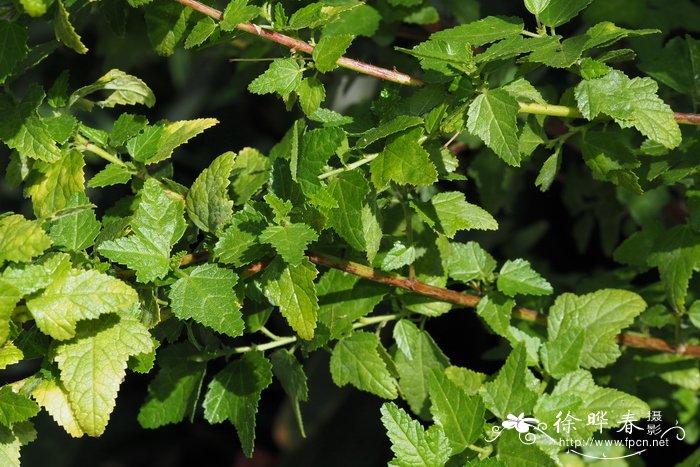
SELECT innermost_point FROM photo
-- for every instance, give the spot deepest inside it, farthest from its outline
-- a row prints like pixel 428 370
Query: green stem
pixel 85 145
pixel 365 160
pixel 525 32
pixel 550 110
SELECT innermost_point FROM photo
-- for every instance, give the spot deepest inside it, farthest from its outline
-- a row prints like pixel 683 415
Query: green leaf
pixel 93 365
pixel 30 278
pixel 122 89
pixel 21 239
pixel 65 33
pixel 349 189
pixel 206 295
pixel 76 231
pixel 15 407
pixel 399 256
pixel 249 175
pixel 13 37
pixel 157 224
pixel 609 156
pixel 499 396
pixel 460 416
pixel 404 161
pixel 22 129
pixel 389 128
pixel 484 31
pixel 549 170
pixel 518 277
pixel 536 6
pixel 343 298
pixel 291 375
pixel 361 20
pixel 77 295
pixel 52 396
pixel 9 297
pixel 411 444
pixel 496 310
pixel 126 127
pixel 560 54
pixel 157 143
pixel 493 118
pixel 676 253
pixel 166 24
pixel 317 147
pixel 631 103
pixel 417 358
pixel 292 289
pixel 173 393
pixel 448 212
pixel 356 360
pixel 329 49
pixel 677 65
pixel 601 315
pixel 468 261
pixel 9 353
pixel 238 244
pixel 207 202
pixel 56 183
pixel 10 444
pixel 290 241
pixel 512 452
pixel 283 76
pixel 234 394
pixel 563 354
pixel 578 394
pixel 112 174
pixel 201 31
pixel 311 95
pixel 558 12
pixel 238 11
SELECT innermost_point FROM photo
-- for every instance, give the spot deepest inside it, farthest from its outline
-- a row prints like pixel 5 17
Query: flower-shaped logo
pixel 520 423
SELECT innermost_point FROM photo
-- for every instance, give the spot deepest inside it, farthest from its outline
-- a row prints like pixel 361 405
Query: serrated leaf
pixel 122 89
pixel 558 12
pixel 52 396
pixel 549 170
pixel 292 289
pixel 174 392
pixel 93 365
pixel 518 277
pixel 460 416
pixel 201 31
pixel 493 118
pixel 602 315
pixel 21 239
pixel 157 143
pixel 78 295
pixel 9 353
pixel 290 241
pixel 112 174
pixel 238 11
pixel 317 147
pixel 126 127
pixel 449 212
pixel 536 6
pixel 631 103
pixel 56 183
pixel 411 444
pixel 468 261
pixel 399 256
pixel 484 31
pixel 361 20
pixel 30 278
pixel 676 253
pixel 249 175
pixel 157 224
pixel 356 360
pixel 207 202
pixel 414 371
pixel 234 394
pixel 22 129
pixel 166 25
pixel 560 54
pixel 206 295
pixel 496 310
pixel 15 407
pixel 512 452
pixel 499 396
pixel 311 95
pixel 76 231
pixel 238 244
pixel 343 298
pixel 291 375
pixel 65 32
pixel 14 37
pixel 349 189
pixel 563 354
pixel 283 76
pixel 329 49
pixel 404 161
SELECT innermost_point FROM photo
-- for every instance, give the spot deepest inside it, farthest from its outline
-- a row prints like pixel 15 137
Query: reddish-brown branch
pixel 451 296
pixel 301 46
pixel 688 119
